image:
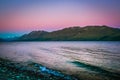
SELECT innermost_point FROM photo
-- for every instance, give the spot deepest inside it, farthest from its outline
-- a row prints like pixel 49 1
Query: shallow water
pixel 89 60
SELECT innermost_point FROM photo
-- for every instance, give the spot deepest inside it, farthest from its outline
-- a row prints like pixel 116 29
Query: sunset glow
pixel 28 15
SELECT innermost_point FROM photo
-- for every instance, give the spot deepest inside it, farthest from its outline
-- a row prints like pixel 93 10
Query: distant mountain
pixel 88 33
pixel 34 35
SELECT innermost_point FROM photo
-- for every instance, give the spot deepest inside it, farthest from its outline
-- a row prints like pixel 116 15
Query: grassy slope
pixel 95 33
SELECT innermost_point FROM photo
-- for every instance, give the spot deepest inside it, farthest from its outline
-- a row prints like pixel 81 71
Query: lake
pixel 86 60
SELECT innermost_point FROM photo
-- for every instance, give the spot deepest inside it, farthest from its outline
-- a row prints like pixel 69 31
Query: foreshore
pixel 29 71
pixel 59 61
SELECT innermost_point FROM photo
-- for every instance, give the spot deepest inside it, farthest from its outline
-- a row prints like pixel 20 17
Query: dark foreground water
pixel 80 60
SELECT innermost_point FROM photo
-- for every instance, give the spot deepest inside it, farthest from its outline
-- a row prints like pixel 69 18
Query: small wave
pixel 101 71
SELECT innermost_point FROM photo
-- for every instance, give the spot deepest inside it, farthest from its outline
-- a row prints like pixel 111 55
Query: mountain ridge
pixel 88 33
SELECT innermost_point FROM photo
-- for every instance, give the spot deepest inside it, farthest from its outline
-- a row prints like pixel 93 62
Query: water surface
pixel 89 60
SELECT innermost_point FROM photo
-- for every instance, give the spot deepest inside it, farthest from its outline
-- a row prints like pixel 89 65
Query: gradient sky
pixel 21 16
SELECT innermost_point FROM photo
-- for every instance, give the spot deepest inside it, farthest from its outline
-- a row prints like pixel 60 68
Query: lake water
pixel 86 60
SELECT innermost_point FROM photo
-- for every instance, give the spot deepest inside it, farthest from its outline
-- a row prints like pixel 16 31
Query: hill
pixel 88 33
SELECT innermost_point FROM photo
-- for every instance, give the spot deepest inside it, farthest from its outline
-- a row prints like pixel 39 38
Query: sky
pixel 21 16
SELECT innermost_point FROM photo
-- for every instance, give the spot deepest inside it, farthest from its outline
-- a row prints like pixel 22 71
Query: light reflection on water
pixel 57 55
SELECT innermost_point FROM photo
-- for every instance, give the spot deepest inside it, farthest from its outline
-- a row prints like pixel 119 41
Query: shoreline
pixel 30 71
pixel 60 61
pixel 34 71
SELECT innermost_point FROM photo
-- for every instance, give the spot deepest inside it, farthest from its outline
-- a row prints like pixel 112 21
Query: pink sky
pixel 56 15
